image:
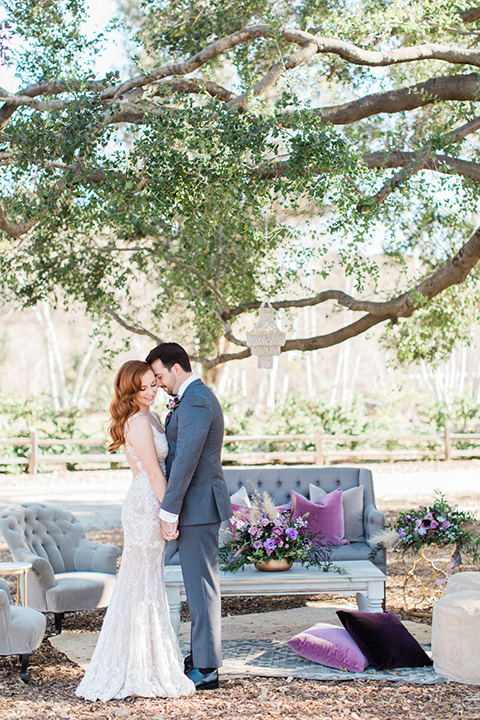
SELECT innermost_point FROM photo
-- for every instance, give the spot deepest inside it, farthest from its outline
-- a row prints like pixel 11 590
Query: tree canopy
pixel 244 142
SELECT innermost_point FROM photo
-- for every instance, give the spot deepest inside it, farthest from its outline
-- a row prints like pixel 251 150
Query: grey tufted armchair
pixel 68 572
pixel 21 629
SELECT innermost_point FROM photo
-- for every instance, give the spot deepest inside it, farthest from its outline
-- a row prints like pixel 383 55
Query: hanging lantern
pixel 265 339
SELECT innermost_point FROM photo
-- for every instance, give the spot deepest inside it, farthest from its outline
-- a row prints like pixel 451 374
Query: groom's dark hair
pixel 170 354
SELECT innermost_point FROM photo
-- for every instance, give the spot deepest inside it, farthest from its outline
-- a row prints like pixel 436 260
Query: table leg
pixel 25 588
pixel 376 594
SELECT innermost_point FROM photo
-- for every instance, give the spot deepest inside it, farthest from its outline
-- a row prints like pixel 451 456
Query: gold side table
pixel 20 569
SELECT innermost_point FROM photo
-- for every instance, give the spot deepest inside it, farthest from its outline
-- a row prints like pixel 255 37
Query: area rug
pixel 260 658
pixel 275 659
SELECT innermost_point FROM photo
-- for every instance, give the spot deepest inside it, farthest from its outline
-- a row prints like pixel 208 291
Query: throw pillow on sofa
pixel 352 500
pixel 240 501
pixel 324 518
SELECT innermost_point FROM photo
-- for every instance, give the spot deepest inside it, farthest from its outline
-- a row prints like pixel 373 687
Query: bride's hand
pixel 169 530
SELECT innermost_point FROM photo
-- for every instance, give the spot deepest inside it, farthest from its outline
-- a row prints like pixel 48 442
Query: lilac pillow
pixel 324 518
pixel 384 641
pixel 352 500
pixel 329 645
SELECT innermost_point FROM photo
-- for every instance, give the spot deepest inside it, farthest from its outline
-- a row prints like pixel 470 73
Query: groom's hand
pixel 169 530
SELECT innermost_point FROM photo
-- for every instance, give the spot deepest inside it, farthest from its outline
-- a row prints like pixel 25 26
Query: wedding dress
pixel 137 653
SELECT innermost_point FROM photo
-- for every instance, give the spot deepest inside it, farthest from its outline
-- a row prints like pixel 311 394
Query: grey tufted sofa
pixel 68 572
pixel 21 629
pixel 278 481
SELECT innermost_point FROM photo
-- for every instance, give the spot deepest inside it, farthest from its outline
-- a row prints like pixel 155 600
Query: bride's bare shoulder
pixel 137 420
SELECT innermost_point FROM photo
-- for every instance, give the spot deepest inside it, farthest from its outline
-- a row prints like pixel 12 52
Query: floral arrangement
pixel 264 532
pixel 438 524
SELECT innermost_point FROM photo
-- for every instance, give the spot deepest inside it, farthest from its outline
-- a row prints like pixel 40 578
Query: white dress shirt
pixel 163 514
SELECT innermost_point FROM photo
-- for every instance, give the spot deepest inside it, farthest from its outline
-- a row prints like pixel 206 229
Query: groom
pixel 195 502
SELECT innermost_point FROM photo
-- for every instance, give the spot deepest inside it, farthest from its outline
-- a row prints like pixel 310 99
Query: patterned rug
pixel 260 658
pixel 275 659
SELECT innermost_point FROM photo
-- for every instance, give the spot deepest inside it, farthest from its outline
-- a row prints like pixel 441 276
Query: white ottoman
pixel 461 581
pixel 455 637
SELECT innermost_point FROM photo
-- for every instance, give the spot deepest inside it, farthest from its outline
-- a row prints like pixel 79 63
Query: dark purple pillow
pixel 384 641
pixel 324 518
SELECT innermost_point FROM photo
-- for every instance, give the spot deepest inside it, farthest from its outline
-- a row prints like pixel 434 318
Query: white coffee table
pixel 358 577
pixel 20 569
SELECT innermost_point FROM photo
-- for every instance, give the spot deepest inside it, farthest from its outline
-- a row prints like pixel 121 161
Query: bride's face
pixel 148 392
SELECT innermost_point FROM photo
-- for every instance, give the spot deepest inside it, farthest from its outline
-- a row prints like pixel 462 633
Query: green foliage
pixel 37 412
pixel 194 207
pixel 437 328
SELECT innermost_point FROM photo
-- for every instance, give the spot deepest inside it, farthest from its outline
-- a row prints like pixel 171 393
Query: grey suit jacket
pixel 196 489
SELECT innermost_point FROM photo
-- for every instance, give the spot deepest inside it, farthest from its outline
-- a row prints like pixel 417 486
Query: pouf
pixel 463 581
pixel 455 637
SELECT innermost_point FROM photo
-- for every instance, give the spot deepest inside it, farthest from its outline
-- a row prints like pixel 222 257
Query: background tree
pixel 248 139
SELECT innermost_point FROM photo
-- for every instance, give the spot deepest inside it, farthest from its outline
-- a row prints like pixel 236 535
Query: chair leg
pixel 58 622
pixel 23 669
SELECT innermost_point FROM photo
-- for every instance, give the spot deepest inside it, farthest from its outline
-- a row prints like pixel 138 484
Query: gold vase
pixel 426 572
pixel 274 565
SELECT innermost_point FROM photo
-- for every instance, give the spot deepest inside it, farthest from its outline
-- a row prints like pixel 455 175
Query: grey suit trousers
pixel 198 548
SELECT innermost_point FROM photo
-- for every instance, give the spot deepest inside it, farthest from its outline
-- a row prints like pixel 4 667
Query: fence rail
pixel 325 449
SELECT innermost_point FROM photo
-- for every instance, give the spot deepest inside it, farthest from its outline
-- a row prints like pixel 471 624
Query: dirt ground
pixel 53 677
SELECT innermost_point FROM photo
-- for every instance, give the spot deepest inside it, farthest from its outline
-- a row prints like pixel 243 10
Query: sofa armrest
pixel 96 557
pixel 373 521
pixel 40 566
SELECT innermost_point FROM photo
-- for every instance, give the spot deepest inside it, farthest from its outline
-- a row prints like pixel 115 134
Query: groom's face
pixel 167 379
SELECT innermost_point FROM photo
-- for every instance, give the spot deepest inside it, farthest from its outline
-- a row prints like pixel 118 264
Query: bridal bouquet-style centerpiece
pixel 438 524
pixel 430 539
pixel 268 537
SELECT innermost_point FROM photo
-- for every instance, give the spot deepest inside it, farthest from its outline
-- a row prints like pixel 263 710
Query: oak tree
pixel 245 141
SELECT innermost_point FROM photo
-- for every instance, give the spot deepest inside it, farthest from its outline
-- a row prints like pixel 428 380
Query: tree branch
pixel 470 15
pixel 131 328
pixel 16 229
pixel 443 88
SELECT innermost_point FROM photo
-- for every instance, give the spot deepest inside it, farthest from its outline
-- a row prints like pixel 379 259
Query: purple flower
pixel 269 546
pixel 446 524
pixel 265 521
pixel 402 532
pixel 434 525
pixel 277 531
pixel 257 544
pixel 291 533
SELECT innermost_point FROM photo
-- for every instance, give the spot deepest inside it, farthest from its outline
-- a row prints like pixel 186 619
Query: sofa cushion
pixel 324 518
pixel 329 645
pixel 240 501
pixel 384 641
pixel 352 500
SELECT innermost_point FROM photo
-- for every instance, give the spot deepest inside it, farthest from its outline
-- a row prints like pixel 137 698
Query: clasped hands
pixel 169 530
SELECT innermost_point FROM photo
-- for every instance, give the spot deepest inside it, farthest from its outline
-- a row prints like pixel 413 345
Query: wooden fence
pixel 325 449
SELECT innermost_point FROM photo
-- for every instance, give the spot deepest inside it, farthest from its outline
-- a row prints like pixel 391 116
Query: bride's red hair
pixel 127 383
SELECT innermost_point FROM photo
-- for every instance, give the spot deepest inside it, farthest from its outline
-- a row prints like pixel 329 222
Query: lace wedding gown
pixel 137 652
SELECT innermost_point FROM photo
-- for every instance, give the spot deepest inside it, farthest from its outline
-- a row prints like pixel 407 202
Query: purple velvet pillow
pixel 329 645
pixel 384 641
pixel 324 518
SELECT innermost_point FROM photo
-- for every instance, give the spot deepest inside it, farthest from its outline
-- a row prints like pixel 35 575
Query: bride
pixel 137 652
